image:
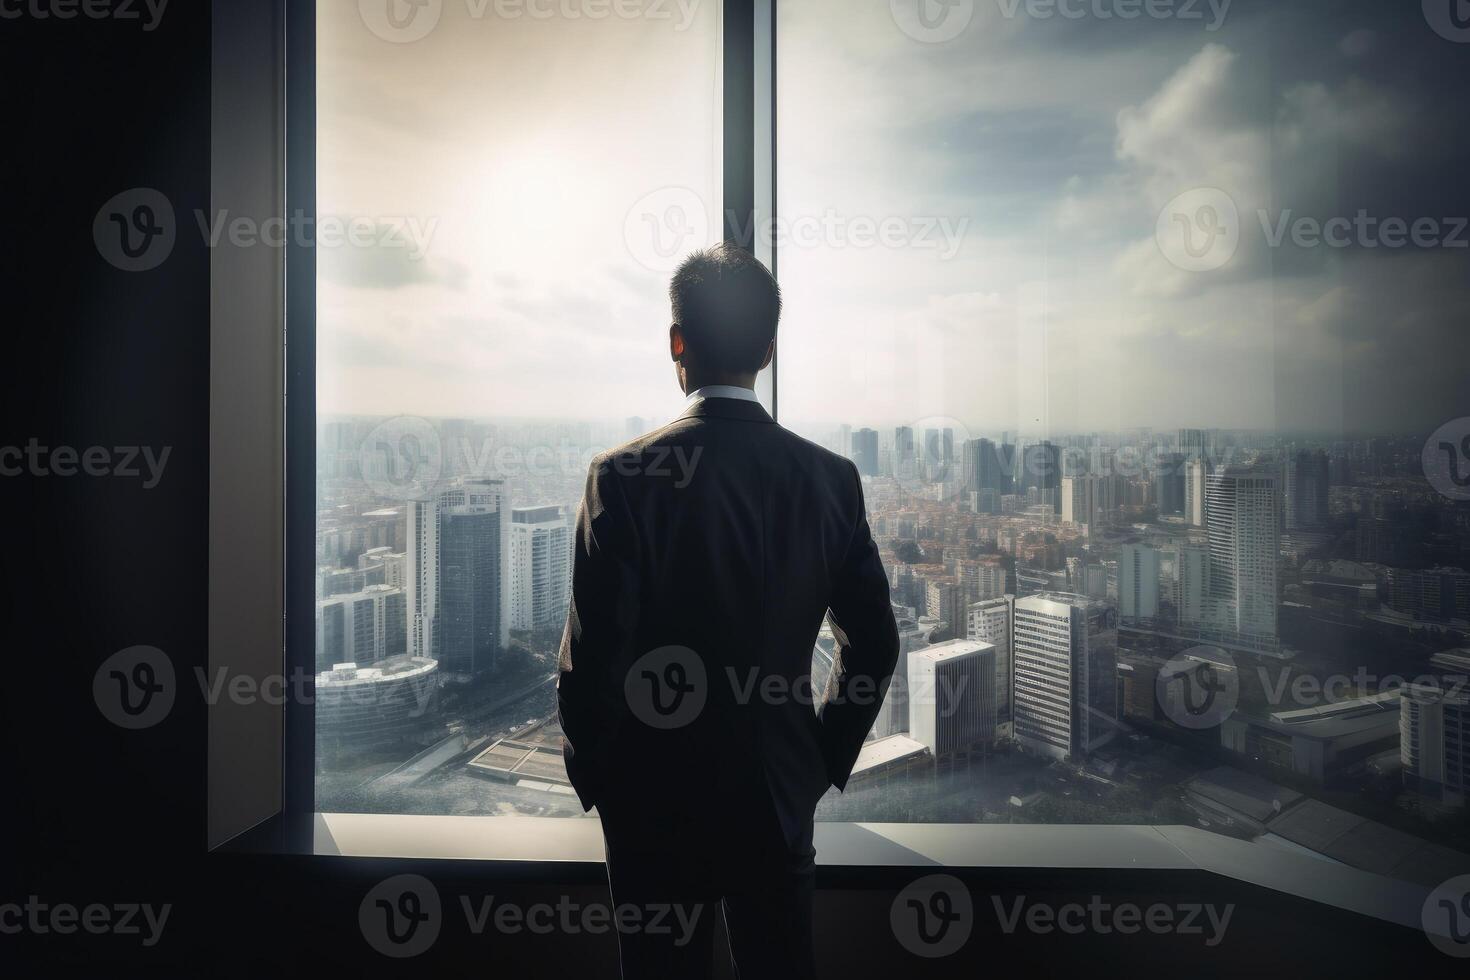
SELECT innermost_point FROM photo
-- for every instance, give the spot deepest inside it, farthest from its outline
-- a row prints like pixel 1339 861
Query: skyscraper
pixel 865 452
pixel 990 622
pixel 893 714
pixel 1192 579
pixel 360 627
pixel 1064 650
pixel 540 568
pixel 983 467
pixel 1306 490
pixel 903 447
pixel 1198 443
pixel 1196 471
pixel 1138 582
pixel 1245 544
pixel 952 697
pixel 1169 484
pixel 1085 499
pixel 458 595
pixel 1434 740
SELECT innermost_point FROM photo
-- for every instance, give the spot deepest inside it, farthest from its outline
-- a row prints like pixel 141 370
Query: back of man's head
pixel 726 304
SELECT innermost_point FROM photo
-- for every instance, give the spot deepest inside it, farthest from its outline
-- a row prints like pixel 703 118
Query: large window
pixel 1139 322
pixel 519 182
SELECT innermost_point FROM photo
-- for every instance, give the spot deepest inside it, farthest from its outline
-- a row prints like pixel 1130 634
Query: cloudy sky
pixel 986 227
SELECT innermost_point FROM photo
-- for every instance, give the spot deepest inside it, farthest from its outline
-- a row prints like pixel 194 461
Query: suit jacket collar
pixel 727 408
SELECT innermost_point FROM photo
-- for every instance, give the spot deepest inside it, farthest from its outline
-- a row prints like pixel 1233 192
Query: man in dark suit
pixel 707 554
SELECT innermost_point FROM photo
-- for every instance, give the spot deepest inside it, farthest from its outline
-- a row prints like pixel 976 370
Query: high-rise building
pixel 984 466
pixel 1306 490
pixel 540 568
pixel 1169 484
pixel 990 622
pixel 1196 472
pixel 361 627
pixel 1088 499
pixel 944 600
pixel 1432 593
pixel 1191 583
pixel 1138 582
pixel 458 594
pixel 893 714
pixel 865 452
pixel 1199 443
pixel 1064 653
pixel 1042 469
pixel 1245 546
pixel 952 697
pixel 903 446
pixel 1434 740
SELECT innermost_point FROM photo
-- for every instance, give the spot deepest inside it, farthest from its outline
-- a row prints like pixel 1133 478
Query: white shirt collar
pixel 722 391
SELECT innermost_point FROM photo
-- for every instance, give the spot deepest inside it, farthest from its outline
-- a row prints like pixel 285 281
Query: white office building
pixel 540 568
pixel 1064 651
pixel 952 697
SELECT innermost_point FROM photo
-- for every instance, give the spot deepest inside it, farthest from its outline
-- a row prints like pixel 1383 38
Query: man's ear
pixel 676 342
pixel 770 353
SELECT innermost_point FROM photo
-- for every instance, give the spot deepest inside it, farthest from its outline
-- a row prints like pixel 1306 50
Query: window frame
pixel 273 78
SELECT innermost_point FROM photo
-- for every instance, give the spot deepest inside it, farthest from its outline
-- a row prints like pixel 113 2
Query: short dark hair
pixel 727 305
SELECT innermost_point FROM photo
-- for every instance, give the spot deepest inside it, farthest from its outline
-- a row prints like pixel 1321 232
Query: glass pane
pixel 502 190
pixel 1125 322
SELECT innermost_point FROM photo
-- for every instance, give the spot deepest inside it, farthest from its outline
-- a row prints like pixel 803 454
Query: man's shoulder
pixel 662 437
pixel 820 458
pixel 665 442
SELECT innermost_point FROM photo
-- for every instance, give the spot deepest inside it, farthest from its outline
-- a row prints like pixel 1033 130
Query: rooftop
pixel 394 669
pixel 949 650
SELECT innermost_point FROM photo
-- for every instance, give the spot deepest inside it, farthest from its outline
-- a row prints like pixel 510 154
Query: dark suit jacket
pixel 718 543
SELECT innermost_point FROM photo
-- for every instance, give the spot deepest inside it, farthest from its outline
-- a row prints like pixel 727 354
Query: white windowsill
pixel 924 847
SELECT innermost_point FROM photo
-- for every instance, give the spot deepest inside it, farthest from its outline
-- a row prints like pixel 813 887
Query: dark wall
pixel 101 357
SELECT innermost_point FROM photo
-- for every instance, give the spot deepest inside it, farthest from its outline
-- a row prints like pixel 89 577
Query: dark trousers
pixel 672 874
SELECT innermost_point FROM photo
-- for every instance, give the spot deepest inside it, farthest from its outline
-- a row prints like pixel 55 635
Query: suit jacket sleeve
pixel 867 648
pixel 597 642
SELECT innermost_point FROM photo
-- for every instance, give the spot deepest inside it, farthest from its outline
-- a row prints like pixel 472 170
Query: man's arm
pixel 599 633
pixel 867 648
